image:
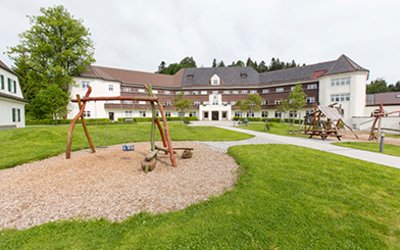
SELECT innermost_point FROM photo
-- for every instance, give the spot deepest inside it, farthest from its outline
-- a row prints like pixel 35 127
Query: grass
pixel 388 149
pixel 33 143
pixel 287 197
pixel 274 128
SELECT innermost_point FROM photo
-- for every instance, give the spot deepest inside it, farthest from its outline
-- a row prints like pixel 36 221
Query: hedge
pixel 258 119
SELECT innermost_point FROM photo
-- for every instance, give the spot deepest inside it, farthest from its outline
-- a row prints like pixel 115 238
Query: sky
pixel 140 34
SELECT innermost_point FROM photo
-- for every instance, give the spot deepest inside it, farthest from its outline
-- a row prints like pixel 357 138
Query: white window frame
pixel 280 90
pixel 265 91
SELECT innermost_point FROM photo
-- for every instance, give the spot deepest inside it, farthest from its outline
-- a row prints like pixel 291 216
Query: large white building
pixel 214 91
pixel 12 103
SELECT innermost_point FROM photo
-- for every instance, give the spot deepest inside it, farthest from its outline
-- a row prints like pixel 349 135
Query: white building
pixel 214 91
pixel 12 103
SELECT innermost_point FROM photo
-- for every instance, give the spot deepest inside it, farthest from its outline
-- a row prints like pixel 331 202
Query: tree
pixel 56 48
pixel 251 103
pixel 161 66
pixel 377 86
pixel 239 63
pixel 283 107
pixel 395 87
pixel 262 67
pixel 181 104
pixel 221 64
pixel 188 62
pixel 50 102
pixel 297 99
pixel 214 63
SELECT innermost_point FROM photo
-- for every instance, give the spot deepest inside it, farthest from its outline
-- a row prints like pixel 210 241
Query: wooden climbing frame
pixel 151 98
pixel 376 127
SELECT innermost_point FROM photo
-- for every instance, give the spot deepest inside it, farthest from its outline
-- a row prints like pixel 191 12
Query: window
pixel 186 93
pixel 278 101
pixel 215 92
pixel 227 92
pixel 141 90
pixel 127 102
pixel 292 88
pixel 155 91
pixel 224 114
pixel 205 115
pixel 214 80
pixel 264 114
pixel 279 90
pixel 2 81
pixel 167 92
pixel 196 103
pixel 142 102
pixel 15 86
pixel 128 113
pixel 9 84
pixel 111 87
pixel 340 97
pixel 245 91
pixel 264 102
pixel 310 99
pixel 309 112
pixel 142 113
pixel 278 114
pixel 312 86
pixel 253 91
pixel 250 114
pixel 13 111
pixel 126 90
pixel 340 81
pixel 265 91
pixel 191 76
pixel 19 115
pixel 204 92
pixel 86 113
pixel 192 114
pixel 292 114
pixel 243 75
pixel 232 102
pixel 195 92
pixel 85 84
pixel 215 100
pixel 168 113
pixel 167 103
pixel 235 92
pixel 238 113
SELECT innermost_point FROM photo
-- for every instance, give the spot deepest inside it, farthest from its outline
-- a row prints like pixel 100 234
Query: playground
pixel 110 184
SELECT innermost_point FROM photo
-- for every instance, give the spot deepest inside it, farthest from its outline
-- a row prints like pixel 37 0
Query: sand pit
pixel 110 184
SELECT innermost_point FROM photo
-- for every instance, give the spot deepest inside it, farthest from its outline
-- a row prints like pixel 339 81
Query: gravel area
pixel 110 184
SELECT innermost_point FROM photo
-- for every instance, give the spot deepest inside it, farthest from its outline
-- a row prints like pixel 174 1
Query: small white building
pixel 12 102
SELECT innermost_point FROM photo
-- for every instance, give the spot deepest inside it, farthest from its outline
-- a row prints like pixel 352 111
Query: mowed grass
pixel 287 197
pixel 33 143
pixel 274 128
pixel 388 149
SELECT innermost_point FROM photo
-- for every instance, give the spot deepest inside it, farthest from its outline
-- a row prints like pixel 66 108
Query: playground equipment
pixel 326 121
pixel 376 127
pixel 149 161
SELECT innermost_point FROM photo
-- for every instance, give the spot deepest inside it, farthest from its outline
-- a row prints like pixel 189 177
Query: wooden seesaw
pixel 149 162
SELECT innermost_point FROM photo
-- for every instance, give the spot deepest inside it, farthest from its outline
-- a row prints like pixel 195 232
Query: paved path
pixel 266 138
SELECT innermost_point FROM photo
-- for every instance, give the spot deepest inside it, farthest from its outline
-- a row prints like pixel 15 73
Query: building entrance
pixel 214 115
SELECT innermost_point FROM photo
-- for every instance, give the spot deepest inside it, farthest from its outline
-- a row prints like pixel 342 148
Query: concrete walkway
pixel 266 138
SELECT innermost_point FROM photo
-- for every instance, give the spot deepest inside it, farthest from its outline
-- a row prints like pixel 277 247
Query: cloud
pixel 140 34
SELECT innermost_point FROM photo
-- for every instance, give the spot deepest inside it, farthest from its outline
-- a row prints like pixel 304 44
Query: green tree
pixel 283 107
pixel 251 103
pixel 377 86
pixel 221 64
pixel 214 63
pixel 394 87
pixel 50 102
pixel 262 67
pixel 182 104
pixel 56 48
pixel 297 99
pixel 240 63
pixel 188 62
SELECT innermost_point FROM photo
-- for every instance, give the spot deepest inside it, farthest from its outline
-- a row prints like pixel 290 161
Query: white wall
pixel 13 77
pixel 357 90
pixel 99 88
pixel 6 106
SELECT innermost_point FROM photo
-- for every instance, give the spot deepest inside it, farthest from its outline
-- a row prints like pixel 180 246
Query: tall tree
pixel 56 48
pixel 297 99
pixel 283 107
pixel 50 102
pixel 240 63
pixel 221 64
pixel 394 87
pixel 188 62
pixel 214 63
pixel 161 66
pixel 377 86
pixel 262 67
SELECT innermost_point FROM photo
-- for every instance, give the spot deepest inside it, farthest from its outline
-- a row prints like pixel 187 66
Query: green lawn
pixel 287 197
pixel 33 143
pixel 388 149
pixel 274 128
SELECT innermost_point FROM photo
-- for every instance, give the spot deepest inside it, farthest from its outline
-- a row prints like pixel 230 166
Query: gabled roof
pixel 230 76
pixel 5 67
pixel 11 97
pixel 238 76
pixel 343 65
pixel 388 98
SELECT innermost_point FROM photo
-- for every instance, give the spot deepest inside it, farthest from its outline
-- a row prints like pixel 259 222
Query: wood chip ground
pixel 110 184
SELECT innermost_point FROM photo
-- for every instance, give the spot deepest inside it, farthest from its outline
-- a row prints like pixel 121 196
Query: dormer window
pixel 190 77
pixel 215 80
pixel 243 75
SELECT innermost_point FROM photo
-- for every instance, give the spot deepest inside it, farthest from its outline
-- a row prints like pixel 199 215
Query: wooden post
pixel 167 137
pixel 85 127
pixel 153 114
pixel 161 132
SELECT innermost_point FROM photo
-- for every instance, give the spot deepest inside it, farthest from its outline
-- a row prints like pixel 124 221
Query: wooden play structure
pixel 376 127
pixel 150 160
pixel 326 121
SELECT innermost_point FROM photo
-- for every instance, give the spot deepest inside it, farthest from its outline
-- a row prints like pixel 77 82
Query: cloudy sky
pixel 140 34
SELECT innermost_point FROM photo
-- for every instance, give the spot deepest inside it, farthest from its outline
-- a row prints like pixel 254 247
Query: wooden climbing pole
pixel 151 98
